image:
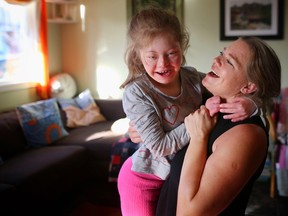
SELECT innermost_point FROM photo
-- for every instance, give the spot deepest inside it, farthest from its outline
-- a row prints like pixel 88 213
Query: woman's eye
pixel 230 63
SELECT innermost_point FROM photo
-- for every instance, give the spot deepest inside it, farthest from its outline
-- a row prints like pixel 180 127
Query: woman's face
pixel 228 74
pixel 162 59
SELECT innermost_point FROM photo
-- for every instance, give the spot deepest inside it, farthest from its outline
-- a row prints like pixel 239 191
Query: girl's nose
pixel 163 60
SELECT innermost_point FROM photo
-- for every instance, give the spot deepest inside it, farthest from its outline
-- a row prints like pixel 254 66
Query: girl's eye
pixel 172 53
pixel 152 57
pixel 221 53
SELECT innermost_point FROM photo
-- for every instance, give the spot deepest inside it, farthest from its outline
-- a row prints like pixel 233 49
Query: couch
pixel 32 177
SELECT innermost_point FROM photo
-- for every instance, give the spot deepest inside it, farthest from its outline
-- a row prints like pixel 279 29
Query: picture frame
pixel 258 18
pixel 134 6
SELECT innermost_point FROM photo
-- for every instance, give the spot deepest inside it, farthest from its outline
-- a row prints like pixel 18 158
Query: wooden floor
pixel 90 209
pixel 260 204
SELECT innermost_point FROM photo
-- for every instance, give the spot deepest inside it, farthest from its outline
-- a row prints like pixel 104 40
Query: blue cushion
pixel 82 101
pixel 41 122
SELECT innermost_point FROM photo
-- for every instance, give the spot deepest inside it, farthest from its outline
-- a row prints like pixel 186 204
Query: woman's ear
pixel 249 88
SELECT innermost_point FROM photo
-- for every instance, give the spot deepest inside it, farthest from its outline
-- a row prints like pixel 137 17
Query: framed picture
pixel 133 6
pixel 261 18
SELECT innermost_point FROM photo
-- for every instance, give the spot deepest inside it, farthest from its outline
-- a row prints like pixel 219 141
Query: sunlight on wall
pixel 82 16
pixel 108 82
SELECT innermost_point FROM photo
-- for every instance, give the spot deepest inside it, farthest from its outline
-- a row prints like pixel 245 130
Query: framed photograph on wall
pixel 133 6
pixel 261 18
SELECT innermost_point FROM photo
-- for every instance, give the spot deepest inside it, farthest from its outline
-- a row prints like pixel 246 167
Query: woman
pixel 221 164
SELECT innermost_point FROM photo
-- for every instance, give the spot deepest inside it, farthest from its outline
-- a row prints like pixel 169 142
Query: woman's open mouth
pixel 213 74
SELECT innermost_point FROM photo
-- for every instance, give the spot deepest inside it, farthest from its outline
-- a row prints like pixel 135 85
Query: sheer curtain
pixel 23 45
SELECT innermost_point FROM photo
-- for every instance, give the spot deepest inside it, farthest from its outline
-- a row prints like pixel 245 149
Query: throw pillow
pixel 121 150
pixel 41 122
pixel 81 110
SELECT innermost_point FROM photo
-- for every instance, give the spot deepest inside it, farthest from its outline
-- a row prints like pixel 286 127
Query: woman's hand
pixel 133 134
pixel 199 124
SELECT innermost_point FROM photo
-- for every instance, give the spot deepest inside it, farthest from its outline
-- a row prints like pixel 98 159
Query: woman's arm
pixel 208 187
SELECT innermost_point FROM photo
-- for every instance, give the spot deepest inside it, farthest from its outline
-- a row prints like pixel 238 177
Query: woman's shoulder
pixel 250 127
pixel 227 124
pixel 250 130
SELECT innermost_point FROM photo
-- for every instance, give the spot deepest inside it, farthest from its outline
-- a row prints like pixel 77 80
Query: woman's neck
pixel 228 99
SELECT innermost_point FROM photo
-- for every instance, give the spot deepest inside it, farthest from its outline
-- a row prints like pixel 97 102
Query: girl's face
pixel 228 76
pixel 162 59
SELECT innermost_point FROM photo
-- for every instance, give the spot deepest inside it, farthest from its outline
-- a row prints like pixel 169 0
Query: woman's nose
pixel 217 60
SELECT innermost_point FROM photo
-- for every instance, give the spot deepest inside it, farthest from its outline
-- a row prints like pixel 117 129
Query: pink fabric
pixel 283 157
pixel 282 126
pixel 139 192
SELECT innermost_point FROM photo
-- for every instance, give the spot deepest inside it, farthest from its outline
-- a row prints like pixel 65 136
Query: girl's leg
pixel 139 193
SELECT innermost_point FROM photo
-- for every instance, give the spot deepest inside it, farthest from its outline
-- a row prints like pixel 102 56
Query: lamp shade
pixel 62 85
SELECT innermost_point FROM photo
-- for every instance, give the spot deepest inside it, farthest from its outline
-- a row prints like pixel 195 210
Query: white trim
pixel 12 86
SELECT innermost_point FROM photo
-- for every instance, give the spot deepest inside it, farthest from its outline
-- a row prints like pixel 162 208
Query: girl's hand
pixel 240 108
pixel 213 105
pixel 199 124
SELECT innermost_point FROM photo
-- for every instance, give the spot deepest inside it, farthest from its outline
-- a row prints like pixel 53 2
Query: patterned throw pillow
pixel 41 122
pixel 121 150
pixel 81 110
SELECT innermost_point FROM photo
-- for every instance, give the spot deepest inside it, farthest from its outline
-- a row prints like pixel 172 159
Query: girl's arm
pixel 239 109
pixel 207 187
pixel 146 119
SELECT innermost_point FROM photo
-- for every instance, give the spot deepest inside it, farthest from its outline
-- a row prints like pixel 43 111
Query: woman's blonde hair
pixel 264 70
pixel 143 28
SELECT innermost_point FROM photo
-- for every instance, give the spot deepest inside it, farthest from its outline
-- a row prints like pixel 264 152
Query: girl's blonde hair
pixel 143 28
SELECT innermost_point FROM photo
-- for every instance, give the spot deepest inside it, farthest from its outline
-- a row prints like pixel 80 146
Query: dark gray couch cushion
pixel 12 138
pixel 47 170
pixel 98 139
pixel 111 109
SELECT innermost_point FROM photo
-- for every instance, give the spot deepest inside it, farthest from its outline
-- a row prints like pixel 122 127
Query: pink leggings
pixel 139 192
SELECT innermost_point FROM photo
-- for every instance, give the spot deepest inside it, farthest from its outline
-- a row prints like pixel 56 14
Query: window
pixel 20 59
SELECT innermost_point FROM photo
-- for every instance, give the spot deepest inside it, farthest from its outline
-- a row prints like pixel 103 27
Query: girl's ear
pixel 249 88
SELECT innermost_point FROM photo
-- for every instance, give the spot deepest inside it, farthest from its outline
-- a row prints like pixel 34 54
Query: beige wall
pixel 94 57
pixel 103 42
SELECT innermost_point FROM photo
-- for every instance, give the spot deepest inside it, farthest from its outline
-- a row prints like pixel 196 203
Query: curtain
pixel 43 88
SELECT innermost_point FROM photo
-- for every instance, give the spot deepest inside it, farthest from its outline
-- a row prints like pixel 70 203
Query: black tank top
pixel 168 197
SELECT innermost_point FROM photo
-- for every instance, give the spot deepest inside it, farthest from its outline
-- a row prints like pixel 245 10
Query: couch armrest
pixel 111 108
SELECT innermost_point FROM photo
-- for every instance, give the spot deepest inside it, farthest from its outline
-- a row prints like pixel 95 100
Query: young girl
pixel 158 95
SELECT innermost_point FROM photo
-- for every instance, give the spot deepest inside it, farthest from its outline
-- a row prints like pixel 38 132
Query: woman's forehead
pixel 240 50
